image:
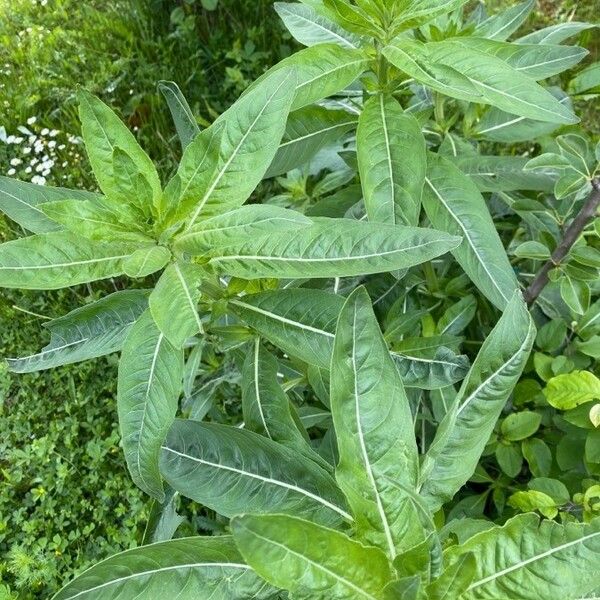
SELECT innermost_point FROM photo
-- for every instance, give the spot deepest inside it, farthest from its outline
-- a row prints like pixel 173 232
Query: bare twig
pixel 575 229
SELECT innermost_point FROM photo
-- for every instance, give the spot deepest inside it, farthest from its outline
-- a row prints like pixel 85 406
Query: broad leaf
pixel 232 471
pixel 327 248
pixel 309 27
pixel 464 431
pixel 20 201
pixel 532 559
pixel 310 561
pixel 59 259
pixel 174 302
pixel 392 162
pixel 186 568
pixel 309 130
pixel 150 375
pixel 374 428
pixel 502 25
pixel 102 132
pixel 453 203
pixel 569 390
pixel 90 331
pixel 185 123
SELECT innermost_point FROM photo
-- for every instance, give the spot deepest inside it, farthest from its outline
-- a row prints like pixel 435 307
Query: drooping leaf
pixel 233 471
pixel 185 123
pixel 327 248
pixel 252 129
pixel 102 132
pixel 502 25
pixel 187 568
pixel 309 27
pixel 87 332
pixel 453 204
pixel 465 429
pixel 20 201
pixel 532 559
pixel 59 259
pixel 174 302
pixel 374 429
pixel 310 561
pixel 309 130
pixel 149 384
pixel 392 162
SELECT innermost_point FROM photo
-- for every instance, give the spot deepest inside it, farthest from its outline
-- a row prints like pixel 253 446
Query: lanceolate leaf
pixel 21 202
pixel 311 561
pixel 302 323
pixel 87 332
pixel 186 568
pixel 328 248
pixel 311 28
pixel 502 25
pixel 145 261
pixel 374 428
pixel 59 259
pixel 555 34
pixel 453 203
pixel 416 12
pixel 308 130
pixel 465 430
pixel 252 130
pixel 232 471
pixel 532 559
pixel 185 123
pixel 150 376
pixel 102 132
pixel 266 408
pixel 174 302
pixel 392 162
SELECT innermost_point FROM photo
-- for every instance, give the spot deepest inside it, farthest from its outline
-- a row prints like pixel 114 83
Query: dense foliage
pixel 348 308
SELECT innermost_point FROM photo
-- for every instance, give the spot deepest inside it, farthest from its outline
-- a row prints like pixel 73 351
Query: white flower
pixel 10 139
pixel 45 131
pixel 27 150
pixel 31 120
pixel 28 170
pixel 10 172
pixel 38 180
pixel 62 147
pixel 18 140
pixel 54 133
pixel 15 162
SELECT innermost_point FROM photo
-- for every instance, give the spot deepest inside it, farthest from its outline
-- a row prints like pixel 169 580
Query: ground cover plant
pixel 348 307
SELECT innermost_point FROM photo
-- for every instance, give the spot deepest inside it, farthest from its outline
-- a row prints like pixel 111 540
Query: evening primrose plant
pixel 357 307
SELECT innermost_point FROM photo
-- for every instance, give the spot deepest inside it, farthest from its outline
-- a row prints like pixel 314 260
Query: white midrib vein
pixel 509 23
pixel 342 39
pixel 146 399
pixel 234 154
pixel 316 133
pixel 257 388
pixel 70 264
pixel 532 559
pixel 188 297
pixel 468 238
pixel 31 206
pixel 283 484
pixel 160 570
pixel 388 154
pixel 363 448
pixel 317 566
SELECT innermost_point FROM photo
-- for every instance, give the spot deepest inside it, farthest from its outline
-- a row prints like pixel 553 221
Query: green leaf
pixel 575 293
pixel 327 248
pixel 102 132
pixel 533 250
pixel 502 25
pixel 530 500
pixel 587 80
pixel 145 261
pixel 353 18
pixel 310 561
pixel 458 316
pixel 97 329
pixel 233 471
pixel 21 202
pixel 266 408
pixel 501 85
pixel 414 13
pixel 309 130
pixel 510 459
pixel 454 580
pixel 177 568
pixel 392 162
pixel 377 456
pixel 533 559
pixel 453 203
pixel 538 456
pixel 252 129
pixel 521 425
pixel 464 431
pixel 59 259
pixel 149 384
pixel 174 302
pixel 185 123
pixel 322 71
pixel 309 27
pixel 555 34
pixel 572 389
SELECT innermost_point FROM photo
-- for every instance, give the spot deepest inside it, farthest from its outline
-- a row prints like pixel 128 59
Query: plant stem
pixel 575 229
